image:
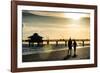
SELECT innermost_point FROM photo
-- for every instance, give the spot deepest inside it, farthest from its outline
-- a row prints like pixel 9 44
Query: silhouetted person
pixel 74 46
pixel 70 47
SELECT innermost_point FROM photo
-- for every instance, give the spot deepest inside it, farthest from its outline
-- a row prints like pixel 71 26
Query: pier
pixel 59 40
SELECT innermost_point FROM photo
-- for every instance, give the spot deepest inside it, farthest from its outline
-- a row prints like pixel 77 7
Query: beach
pixel 53 53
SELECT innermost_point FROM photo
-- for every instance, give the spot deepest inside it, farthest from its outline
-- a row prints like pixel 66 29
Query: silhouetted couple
pixel 70 44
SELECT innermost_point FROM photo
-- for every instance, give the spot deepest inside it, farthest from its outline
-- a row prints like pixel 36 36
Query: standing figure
pixel 74 46
pixel 70 47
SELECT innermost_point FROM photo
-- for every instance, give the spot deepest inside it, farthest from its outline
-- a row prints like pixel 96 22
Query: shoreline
pixel 36 51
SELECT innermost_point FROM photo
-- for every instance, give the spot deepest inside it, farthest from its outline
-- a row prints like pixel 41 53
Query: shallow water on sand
pixel 46 48
pixel 51 52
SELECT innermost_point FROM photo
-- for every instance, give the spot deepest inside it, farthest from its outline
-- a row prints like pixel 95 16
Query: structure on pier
pixel 35 38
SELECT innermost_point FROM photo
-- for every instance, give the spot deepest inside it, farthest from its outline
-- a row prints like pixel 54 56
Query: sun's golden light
pixel 74 16
pixel 57 25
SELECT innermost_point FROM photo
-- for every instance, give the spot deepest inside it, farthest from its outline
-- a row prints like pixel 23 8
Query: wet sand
pixel 32 55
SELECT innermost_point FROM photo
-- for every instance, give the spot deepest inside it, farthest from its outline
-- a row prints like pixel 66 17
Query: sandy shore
pixel 31 55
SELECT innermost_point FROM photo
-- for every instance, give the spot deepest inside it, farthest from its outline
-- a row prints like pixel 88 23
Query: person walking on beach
pixel 74 46
pixel 70 47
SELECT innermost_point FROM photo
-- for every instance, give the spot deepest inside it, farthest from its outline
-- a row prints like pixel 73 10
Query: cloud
pixel 59 14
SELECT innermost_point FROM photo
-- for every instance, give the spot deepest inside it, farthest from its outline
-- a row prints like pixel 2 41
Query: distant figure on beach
pixel 74 46
pixel 70 47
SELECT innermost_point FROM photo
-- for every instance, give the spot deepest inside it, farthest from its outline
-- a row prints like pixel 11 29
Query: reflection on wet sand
pixel 53 53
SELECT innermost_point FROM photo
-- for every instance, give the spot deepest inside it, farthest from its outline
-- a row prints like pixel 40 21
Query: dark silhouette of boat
pixel 35 38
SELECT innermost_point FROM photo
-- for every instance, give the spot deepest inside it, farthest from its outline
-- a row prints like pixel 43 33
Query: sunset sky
pixel 56 25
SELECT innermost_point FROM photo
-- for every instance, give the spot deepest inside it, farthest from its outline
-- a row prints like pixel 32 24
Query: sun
pixel 74 16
